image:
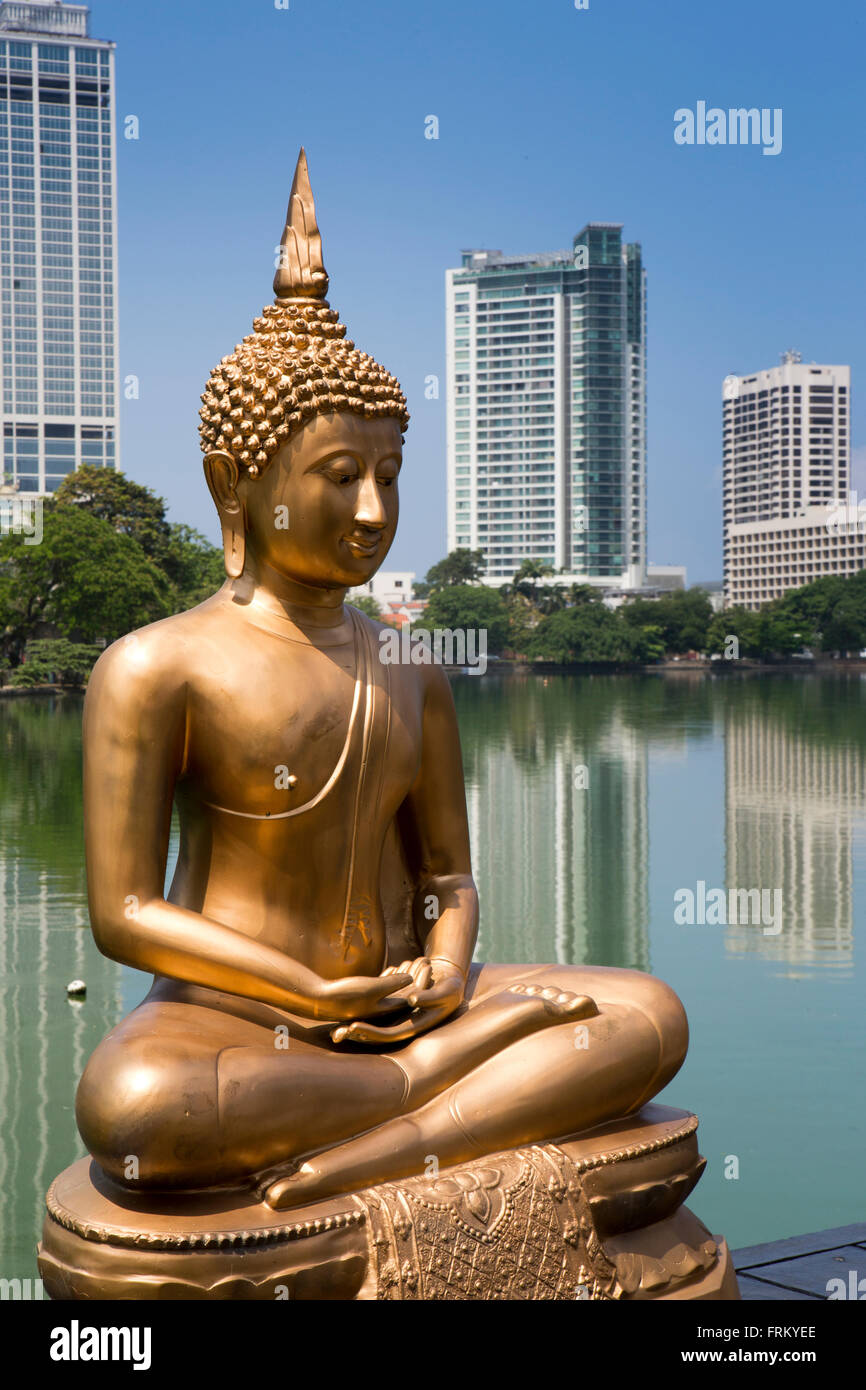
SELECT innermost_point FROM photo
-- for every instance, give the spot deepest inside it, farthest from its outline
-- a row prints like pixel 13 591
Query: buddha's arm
pixel 134 739
pixel 436 808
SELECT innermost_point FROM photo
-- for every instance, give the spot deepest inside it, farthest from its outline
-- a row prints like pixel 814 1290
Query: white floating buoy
pixel 76 988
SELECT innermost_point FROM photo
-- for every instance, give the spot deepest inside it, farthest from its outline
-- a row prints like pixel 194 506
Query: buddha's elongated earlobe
pixel 234 547
pixel 221 472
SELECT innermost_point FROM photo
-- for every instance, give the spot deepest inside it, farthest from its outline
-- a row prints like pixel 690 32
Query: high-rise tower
pixel 546 359
pixel 58 236
pixel 786 442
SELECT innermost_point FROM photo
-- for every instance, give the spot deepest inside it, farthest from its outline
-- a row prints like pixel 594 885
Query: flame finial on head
pixel 301 272
pixel 297 361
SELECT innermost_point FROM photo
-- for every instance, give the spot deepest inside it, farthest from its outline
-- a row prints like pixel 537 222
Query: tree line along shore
pixel 109 561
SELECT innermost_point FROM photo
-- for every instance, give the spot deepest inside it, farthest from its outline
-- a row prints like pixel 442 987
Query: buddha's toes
pixel 561 1004
pixel 287 1190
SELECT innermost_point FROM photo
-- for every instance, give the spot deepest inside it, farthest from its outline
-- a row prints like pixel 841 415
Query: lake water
pixel 592 802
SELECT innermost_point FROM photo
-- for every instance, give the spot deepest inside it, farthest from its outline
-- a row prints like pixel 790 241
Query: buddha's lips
pixel 365 547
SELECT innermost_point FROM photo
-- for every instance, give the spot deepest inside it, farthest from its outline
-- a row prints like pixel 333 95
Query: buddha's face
pixel 325 510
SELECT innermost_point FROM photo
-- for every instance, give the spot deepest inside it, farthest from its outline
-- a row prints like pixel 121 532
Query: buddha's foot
pixel 272 1178
pixel 475 1034
pixel 561 1004
pixel 301 1183
pixel 398 1147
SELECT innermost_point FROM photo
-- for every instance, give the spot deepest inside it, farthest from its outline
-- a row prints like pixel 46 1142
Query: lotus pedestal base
pixel 597 1216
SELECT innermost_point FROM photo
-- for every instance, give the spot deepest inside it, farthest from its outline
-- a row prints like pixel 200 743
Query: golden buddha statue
pixel 316 1025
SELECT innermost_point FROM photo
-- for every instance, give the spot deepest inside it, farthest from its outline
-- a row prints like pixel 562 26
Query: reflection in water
pixel 793 799
pixel 45 942
pixel 556 786
pixel 562 859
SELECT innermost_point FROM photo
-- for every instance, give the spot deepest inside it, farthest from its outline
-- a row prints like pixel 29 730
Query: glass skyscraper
pixel 547 409
pixel 58 237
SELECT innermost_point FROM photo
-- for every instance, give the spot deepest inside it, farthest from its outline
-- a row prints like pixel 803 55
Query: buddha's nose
pixel 370 509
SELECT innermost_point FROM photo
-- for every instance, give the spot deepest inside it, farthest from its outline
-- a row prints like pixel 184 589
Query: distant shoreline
pixel 11 691
pixel 743 666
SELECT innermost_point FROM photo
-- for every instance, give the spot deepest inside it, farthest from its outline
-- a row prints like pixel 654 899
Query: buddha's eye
pixel 341 477
pixel 386 482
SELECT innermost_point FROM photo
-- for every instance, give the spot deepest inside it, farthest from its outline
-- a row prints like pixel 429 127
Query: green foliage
pixel 529 600
pixel 365 603
pixel 527 584
pixel 468 606
pixel 549 622
pixel 193 567
pixel 55 660
pixel 523 619
pixel 577 594
pixel 531 571
pixel 23 677
pixel 83 579
pixel 128 507
pixel 459 567
pixel 764 634
pixel 831 612
pixel 733 622
pixel 592 632
pixel 650 643
pixel 109 561
pixel 683 617
pixel 846 629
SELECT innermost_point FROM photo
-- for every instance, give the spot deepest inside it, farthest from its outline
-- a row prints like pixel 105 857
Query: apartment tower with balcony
pixel 546 385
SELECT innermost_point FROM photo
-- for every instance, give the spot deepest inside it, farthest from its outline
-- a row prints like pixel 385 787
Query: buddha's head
pixel 302 433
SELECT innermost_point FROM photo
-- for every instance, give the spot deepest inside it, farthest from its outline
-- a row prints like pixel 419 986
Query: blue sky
pixel 549 117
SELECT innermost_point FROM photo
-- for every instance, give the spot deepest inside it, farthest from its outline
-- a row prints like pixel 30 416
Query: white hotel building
pixel 546 386
pixel 787 433
pixel 58 240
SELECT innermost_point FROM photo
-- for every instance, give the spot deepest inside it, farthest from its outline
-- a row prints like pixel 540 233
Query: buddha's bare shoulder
pixel 160 662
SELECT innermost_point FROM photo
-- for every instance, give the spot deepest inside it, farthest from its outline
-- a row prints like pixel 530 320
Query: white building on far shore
pixel 768 558
pixel 389 586
pixel 786 441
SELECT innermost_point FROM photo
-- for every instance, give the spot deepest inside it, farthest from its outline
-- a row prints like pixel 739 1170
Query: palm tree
pixel 526 579
pixel 577 594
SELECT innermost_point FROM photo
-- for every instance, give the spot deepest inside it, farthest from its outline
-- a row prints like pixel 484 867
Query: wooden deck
pixel 800 1269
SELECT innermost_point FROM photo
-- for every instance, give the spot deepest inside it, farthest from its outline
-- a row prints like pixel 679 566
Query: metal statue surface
pixel 316 1025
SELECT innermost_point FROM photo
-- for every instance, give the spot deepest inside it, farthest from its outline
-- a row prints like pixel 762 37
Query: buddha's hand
pixel 362 996
pixel 435 993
